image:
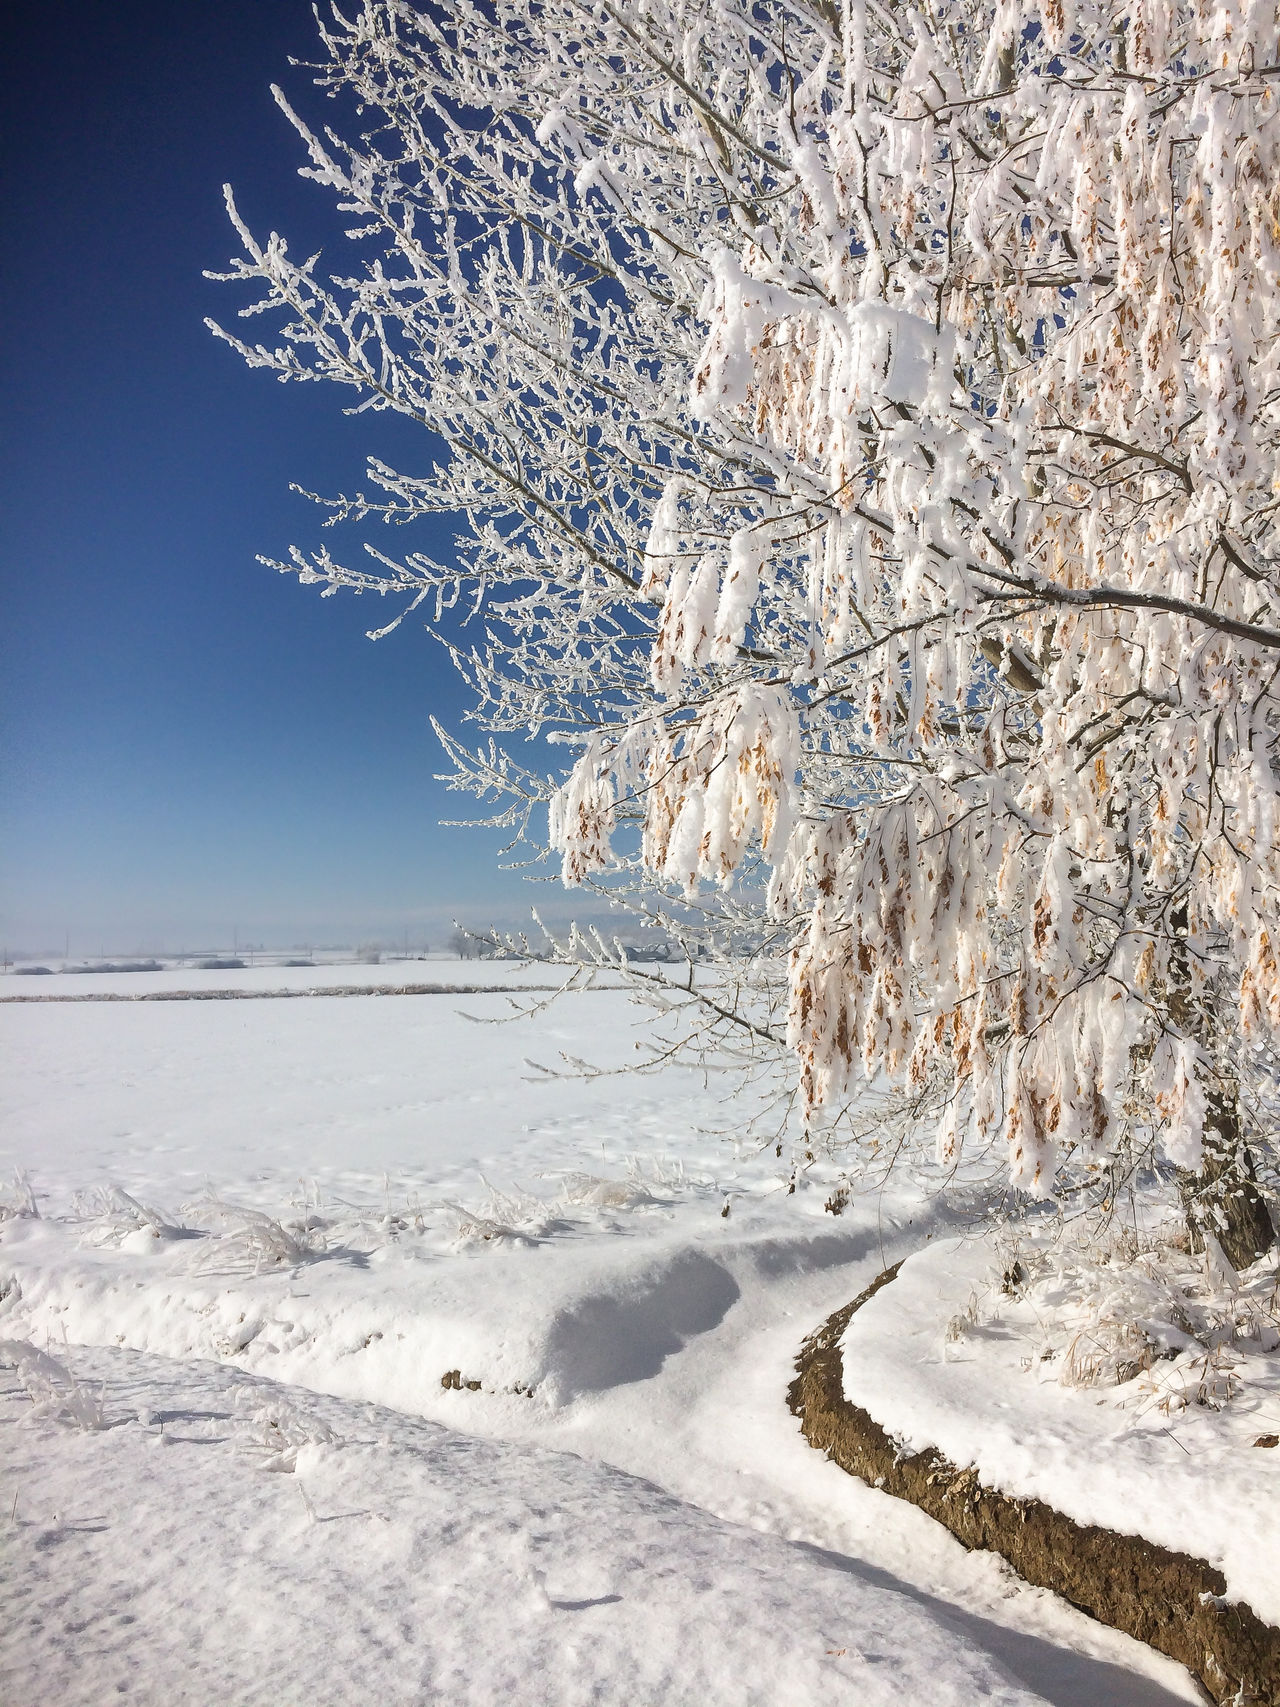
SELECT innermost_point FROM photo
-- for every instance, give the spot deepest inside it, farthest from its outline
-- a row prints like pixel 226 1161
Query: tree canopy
pixel 864 421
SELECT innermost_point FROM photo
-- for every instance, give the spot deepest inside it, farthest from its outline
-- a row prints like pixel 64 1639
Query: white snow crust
pixel 267 1233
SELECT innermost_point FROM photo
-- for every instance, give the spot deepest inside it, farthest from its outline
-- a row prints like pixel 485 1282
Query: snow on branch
pixel 861 426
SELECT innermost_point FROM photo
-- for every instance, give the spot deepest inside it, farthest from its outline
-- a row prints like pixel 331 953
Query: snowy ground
pixel 243 1477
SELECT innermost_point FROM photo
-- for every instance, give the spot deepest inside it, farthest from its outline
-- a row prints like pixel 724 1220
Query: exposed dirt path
pixel 1171 1601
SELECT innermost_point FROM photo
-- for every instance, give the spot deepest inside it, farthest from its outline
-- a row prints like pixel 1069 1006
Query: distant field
pixel 272 976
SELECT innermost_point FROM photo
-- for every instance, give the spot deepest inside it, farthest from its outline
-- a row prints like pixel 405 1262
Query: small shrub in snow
pixel 506 1216
pixel 597 1192
pixel 18 1198
pixel 256 1238
pixel 959 1324
pixel 115 1218
pixel 269 1424
pixel 519 1215
pixel 52 1388
pixel 1145 1314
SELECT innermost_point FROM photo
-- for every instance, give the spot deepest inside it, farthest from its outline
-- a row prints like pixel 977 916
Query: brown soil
pixel 1169 1600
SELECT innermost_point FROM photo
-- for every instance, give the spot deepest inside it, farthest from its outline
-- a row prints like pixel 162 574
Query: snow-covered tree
pixel 864 418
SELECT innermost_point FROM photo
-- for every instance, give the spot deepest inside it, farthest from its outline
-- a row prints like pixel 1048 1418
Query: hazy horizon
pixel 428 931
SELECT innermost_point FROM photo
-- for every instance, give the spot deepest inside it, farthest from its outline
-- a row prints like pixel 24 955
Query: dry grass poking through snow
pixel 52 1388
pixel 1140 1315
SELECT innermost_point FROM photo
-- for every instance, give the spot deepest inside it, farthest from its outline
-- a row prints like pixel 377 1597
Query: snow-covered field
pixel 271 975
pixel 520 1380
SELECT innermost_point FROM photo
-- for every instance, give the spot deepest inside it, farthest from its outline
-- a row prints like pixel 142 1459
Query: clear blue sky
pixel 191 744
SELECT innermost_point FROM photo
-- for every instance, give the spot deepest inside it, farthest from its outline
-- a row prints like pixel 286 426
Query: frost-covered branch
pixel 862 429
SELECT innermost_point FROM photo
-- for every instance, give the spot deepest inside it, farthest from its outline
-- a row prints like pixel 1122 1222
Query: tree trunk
pixel 1223 1198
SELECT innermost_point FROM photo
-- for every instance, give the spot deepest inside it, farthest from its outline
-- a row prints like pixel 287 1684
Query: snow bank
pixel 920 1360
pixel 387 1324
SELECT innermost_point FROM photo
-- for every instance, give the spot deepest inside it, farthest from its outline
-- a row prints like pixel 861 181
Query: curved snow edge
pixel 1169 1600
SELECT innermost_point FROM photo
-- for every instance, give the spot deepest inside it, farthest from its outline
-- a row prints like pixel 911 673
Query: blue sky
pixel 191 744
